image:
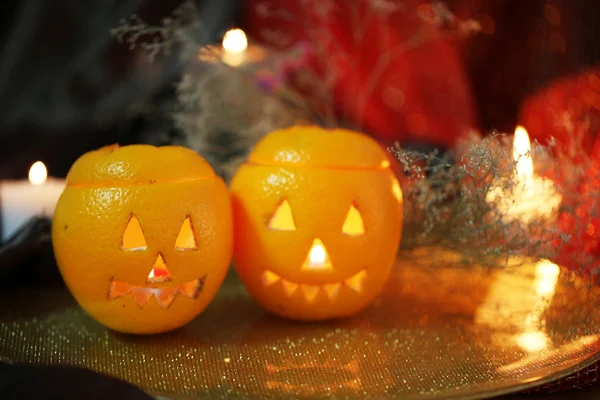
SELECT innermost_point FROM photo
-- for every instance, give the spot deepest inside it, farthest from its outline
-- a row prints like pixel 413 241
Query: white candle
pixel 534 197
pixel 22 200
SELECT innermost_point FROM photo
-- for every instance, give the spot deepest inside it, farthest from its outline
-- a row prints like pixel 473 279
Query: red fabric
pixel 421 94
pixel 568 110
pixel 581 220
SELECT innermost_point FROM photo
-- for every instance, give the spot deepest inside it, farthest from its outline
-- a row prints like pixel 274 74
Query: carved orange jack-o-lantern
pixel 143 236
pixel 318 217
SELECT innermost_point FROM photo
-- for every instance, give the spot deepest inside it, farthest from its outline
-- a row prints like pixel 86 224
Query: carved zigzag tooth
pixel 310 292
pixel 165 296
pixel 141 295
pixel 269 278
pixel 191 289
pixel 289 287
pixel 355 282
pixel 118 289
pixel 332 290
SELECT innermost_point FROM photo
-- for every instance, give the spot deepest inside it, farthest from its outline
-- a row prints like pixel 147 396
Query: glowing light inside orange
pixel 310 292
pixel 270 278
pixel 38 173
pixel 186 240
pixel 289 287
pixel 317 259
pixel 235 41
pixel 356 282
pixel 332 290
pixel 133 238
pixel 282 219
pixel 353 225
pixel 159 272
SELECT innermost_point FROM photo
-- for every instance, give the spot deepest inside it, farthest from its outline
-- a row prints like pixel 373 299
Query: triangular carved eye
pixel 353 225
pixel 282 219
pixel 133 237
pixel 186 240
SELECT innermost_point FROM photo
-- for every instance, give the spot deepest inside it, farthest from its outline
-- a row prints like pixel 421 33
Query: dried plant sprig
pixel 159 39
pixel 448 204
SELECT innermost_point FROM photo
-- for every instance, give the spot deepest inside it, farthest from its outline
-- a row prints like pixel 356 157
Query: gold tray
pixel 439 330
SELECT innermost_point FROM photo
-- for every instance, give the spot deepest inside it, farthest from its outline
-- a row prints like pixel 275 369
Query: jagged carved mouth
pixel 354 283
pixel 163 295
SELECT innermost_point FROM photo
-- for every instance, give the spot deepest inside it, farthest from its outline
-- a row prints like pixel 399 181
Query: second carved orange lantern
pixel 318 217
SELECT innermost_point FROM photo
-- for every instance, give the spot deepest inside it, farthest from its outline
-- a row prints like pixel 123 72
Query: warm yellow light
pixel 353 225
pixel 522 156
pixel 396 190
pixel 133 237
pixel 547 269
pixel 536 197
pixel 318 254
pixel 317 258
pixel 282 219
pixel 332 290
pixel 186 239
pixel 38 173
pixel 310 292
pixel 159 272
pixel 533 341
pixel 270 278
pixel 356 281
pixel 235 41
pixel 546 277
pixel 289 287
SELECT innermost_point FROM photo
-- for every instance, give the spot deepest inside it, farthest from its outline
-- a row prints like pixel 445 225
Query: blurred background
pixel 67 86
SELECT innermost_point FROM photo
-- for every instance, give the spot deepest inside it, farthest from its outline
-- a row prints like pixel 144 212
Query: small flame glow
pixel 235 41
pixel 317 258
pixel 522 156
pixel 533 341
pixel 38 173
pixel 546 278
pixel 318 255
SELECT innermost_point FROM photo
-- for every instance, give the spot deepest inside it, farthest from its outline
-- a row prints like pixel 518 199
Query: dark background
pixel 67 86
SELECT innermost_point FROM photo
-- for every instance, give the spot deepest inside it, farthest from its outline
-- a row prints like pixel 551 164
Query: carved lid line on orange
pixel 385 166
pixel 124 184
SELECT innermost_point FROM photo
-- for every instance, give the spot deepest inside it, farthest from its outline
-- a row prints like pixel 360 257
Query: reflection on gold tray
pixel 438 331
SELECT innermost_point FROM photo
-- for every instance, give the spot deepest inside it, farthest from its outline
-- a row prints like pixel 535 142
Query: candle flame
pixel 522 156
pixel 38 173
pixel 318 255
pixel 235 41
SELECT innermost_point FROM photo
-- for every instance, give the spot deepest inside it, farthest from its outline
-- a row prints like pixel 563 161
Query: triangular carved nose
pixel 317 258
pixel 159 272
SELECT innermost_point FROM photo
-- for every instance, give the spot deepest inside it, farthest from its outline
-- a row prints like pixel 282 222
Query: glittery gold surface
pixel 438 331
